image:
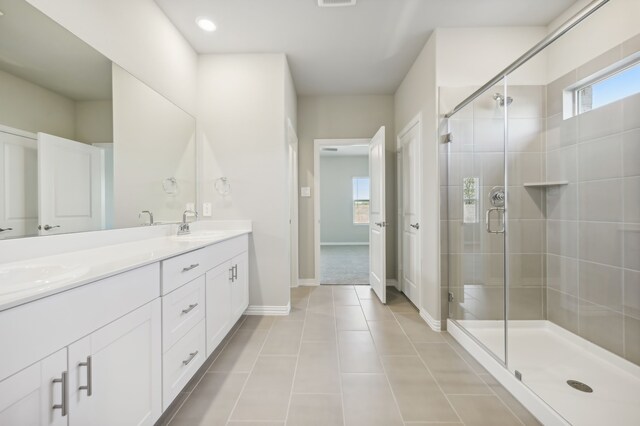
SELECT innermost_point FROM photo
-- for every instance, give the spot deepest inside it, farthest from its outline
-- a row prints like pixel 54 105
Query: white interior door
pixel 410 228
pixel 18 185
pixel 377 217
pixel 71 186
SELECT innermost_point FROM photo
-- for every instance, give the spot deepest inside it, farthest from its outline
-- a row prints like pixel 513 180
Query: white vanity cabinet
pixel 27 397
pixel 117 351
pixel 114 324
pixel 114 373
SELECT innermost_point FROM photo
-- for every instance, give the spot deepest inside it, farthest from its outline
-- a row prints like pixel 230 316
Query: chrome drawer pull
pixel 64 403
pixel 89 386
pixel 189 309
pixel 188 268
pixel 192 355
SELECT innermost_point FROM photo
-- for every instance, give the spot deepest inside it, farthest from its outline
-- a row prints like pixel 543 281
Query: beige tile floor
pixel 343 358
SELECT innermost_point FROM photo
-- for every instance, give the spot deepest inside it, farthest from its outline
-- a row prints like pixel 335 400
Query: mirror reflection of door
pixel 18 184
pixel 71 189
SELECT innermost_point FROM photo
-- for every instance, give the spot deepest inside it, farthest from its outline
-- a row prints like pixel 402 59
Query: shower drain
pixel 579 386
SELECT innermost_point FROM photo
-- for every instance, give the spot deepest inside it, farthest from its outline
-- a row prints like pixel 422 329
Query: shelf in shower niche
pixel 545 184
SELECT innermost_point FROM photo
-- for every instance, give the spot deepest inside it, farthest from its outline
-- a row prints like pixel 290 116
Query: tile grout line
pixel 428 369
pixel 244 385
pixel 295 371
pixel 335 329
pixel 243 317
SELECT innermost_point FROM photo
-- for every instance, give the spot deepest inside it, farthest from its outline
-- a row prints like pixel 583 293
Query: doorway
pixel 349 210
pixel 344 208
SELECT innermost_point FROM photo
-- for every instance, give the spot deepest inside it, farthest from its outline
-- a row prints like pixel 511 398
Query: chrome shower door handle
pixel 488 220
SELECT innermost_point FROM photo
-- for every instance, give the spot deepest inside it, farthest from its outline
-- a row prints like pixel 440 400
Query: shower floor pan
pixel 548 356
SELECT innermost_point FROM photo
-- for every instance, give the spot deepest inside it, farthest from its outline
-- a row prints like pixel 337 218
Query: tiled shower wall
pixel 593 223
pixel 472 257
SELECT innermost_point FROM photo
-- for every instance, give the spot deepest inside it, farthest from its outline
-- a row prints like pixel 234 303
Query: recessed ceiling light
pixel 1 13
pixel 206 24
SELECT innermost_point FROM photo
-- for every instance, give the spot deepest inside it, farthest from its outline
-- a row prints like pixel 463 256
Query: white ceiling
pixel 366 49
pixel 346 151
pixel 37 49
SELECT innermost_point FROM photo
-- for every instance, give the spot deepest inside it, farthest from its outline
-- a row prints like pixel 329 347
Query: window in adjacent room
pixel 360 200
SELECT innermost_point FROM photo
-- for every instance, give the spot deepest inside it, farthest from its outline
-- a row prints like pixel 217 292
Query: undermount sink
pixel 25 277
pixel 201 236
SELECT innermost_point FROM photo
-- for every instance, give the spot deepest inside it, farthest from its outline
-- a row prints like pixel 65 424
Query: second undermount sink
pixel 201 236
pixel 18 278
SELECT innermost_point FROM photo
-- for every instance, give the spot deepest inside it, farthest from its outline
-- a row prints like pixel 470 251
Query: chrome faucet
pixel 183 228
pixel 150 216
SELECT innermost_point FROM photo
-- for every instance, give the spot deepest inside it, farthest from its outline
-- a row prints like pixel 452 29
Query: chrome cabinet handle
pixel 188 268
pixel 416 226
pixel 488 220
pixel 64 403
pixel 89 386
pixel 48 227
pixel 6 229
pixel 190 308
pixel 192 355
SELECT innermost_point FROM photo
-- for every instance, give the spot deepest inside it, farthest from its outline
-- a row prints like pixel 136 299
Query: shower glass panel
pixel 476 218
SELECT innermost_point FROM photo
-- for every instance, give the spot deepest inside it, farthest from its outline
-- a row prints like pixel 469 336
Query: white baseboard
pixel 344 244
pixel 268 310
pixel 435 324
pixel 307 282
pixel 543 412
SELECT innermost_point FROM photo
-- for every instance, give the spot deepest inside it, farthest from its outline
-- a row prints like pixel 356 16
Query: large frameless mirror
pixel 84 145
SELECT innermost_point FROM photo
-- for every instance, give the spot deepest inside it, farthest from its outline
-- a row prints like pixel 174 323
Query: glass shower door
pixel 476 219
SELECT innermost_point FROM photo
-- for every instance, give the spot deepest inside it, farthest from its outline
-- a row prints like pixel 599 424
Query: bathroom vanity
pixel 110 335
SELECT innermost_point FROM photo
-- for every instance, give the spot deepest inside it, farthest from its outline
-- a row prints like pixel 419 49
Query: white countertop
pixel 27 280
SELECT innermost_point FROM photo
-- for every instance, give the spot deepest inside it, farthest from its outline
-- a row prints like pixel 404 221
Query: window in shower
pixel 608 87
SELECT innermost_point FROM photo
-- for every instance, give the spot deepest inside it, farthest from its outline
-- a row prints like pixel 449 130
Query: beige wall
pixel 29 107
pixel 417 96
pixel 94 121
pixel 613 24
pixel 242 109
pixel 137 36
pixel 342 117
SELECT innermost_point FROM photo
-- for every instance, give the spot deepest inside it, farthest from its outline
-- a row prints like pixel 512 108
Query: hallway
pixel 343 358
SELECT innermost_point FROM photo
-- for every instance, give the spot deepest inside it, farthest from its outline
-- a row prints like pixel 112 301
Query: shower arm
pixel 563 29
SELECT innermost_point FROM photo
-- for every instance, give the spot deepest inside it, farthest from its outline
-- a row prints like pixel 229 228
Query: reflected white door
pixel 377 217
pixel 71 186
pixel 18 186
pixel 410 275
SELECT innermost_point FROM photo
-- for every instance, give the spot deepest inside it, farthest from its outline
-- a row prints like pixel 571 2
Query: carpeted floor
pixel 344 265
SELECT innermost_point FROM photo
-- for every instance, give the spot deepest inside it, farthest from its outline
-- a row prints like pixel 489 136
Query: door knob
pixel 415 226
pixel 6 229
pixel 381 224
pixel 48 227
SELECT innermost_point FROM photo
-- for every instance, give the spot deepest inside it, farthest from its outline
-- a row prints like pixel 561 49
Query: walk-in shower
pixel 541 228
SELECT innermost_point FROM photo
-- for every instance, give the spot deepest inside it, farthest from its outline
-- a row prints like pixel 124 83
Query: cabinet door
pixel 239 286
pixel 218 312
pixel 27 398
pixel 115 372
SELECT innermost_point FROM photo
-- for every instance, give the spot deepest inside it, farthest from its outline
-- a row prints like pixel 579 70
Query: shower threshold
pixel 548 357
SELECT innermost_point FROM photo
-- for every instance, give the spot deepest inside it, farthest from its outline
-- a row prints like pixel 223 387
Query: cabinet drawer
pixel 181 362
pixel 179 270
pixel 181 310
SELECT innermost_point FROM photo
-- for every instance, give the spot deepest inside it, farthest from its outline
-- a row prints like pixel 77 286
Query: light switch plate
pixel 206 209
pixel 305 191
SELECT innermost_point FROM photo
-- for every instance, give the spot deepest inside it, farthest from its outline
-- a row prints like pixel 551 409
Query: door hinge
pixel 447 138
pixel 450 297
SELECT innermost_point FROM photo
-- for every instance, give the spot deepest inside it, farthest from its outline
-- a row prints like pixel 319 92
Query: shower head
pixel 498 97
